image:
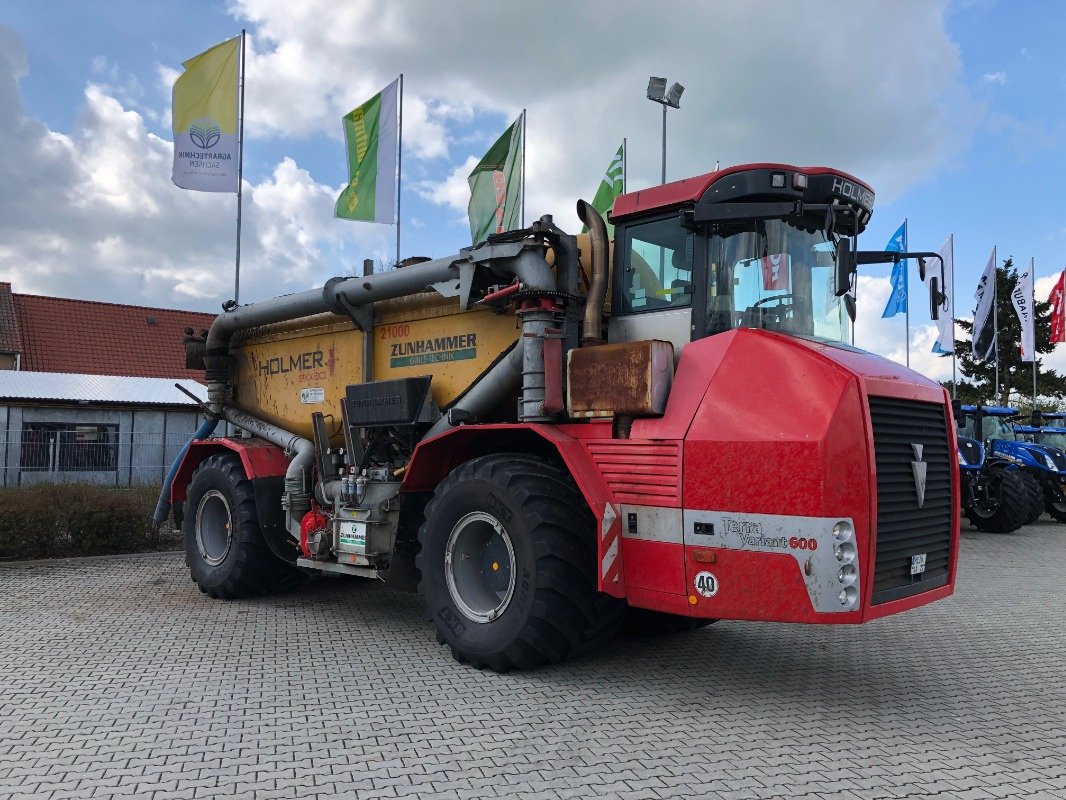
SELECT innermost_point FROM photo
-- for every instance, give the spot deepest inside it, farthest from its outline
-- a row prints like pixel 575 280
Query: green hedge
pixel 61 520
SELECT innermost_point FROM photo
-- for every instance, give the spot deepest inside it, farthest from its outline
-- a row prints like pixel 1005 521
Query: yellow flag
pixel 205 120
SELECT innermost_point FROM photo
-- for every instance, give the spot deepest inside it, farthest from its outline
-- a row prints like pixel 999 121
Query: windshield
pixel 1054 439
pixel 997 428
pixel 769 274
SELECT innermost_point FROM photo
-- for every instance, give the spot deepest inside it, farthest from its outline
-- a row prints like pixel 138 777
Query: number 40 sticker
pixel 706 584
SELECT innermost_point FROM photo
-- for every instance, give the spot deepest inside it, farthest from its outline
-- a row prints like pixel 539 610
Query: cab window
pixel 656 267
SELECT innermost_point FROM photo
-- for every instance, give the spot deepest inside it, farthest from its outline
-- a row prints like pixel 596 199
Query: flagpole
pixel 240 181
pixel 399 170
pixel 951 251
pixel 523 168
pixel 855 297
pixel 906 284
pixel 995 314
pixel 625 156
pixel 1032 284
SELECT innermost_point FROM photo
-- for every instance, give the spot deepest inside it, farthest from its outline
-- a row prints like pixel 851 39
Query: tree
pixel 1014 374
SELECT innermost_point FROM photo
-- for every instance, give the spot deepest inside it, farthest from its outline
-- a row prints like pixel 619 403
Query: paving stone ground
pixel 118 678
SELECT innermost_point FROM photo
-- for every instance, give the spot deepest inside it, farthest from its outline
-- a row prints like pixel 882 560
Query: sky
pixel 955 112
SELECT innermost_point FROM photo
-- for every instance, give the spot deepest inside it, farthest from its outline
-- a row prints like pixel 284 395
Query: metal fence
pixel 43 452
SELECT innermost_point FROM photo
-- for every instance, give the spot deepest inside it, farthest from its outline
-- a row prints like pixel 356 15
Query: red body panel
pixel 261 459
pixel 757 423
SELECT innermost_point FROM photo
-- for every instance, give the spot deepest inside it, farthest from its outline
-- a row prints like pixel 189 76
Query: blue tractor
pixel 1049 430
pixel 1044 467
pixel 994 500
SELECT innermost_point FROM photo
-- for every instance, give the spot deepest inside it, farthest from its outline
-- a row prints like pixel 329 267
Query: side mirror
pixel 921 269
pixel 845 267
pixel 849 306
pixel 934 298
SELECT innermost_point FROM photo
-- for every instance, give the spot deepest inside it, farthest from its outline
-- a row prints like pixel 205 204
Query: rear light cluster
pixel 845 552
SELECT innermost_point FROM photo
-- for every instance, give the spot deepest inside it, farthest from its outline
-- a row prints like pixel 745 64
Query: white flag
pixel 984 326
pixel 945 340
pixel 1022 297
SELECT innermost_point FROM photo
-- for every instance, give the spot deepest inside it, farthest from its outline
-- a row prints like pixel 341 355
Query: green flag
pixel 610 188
pixel 496 186
pixel 370 137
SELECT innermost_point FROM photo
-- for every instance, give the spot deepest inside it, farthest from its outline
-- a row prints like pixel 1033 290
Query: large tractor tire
pixel 642 623
pixel 224 546
pixel 1010 505
pixel 507 564
pixel 1036 497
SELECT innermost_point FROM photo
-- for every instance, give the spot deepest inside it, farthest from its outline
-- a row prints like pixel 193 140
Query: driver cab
pixel 680 284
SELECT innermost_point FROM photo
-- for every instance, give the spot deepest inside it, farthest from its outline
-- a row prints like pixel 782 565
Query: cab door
pixel 656 272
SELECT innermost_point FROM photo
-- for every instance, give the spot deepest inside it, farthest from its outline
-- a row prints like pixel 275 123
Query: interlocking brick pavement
pixel 118 678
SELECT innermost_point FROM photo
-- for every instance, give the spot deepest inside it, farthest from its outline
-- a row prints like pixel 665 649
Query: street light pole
pixel 664 144
pixel 667 99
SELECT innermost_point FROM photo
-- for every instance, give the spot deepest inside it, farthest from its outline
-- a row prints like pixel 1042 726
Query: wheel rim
pixel 479 566
pixel 214 527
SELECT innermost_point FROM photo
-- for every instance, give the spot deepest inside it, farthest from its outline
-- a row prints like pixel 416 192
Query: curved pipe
pixel 303 449
pixel 593 322
pixel 479 399
pixel 162 506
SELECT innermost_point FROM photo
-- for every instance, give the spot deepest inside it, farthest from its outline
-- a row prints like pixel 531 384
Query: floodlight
pixel 673 97
pixel 657 89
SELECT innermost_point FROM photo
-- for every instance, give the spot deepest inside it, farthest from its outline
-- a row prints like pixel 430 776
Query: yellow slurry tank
pixel 285 372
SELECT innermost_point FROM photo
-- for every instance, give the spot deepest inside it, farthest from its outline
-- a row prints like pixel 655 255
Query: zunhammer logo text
pixel 751 534
pixel 433 351
pixel 438 345
pixel 301 361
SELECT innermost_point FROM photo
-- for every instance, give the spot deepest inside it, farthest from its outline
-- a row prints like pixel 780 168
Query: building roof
pixel 110 389
pixel 9 332
pixel 86 337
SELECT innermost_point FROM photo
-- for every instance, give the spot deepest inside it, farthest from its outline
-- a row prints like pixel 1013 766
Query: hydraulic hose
pixel 162 506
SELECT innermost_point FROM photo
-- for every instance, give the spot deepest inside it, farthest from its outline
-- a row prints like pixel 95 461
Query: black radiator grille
pixel 904 529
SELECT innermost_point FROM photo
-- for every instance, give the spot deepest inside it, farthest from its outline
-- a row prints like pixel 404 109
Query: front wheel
pixel 224 546
pixel 1057 510
pixel 507 563
pixel 1001 502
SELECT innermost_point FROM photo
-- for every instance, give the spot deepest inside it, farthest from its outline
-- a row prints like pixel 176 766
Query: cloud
pixel 794 94
pixel 887 337
pixel 453 191
pixel 995 78
pixel 96 215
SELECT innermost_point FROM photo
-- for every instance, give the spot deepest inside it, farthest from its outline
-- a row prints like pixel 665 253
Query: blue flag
pixel 897 301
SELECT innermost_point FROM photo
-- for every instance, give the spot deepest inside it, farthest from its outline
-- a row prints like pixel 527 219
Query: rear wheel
pixel 507 564
pixel 1036 497
pixel 224 547
pixel 1002 503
